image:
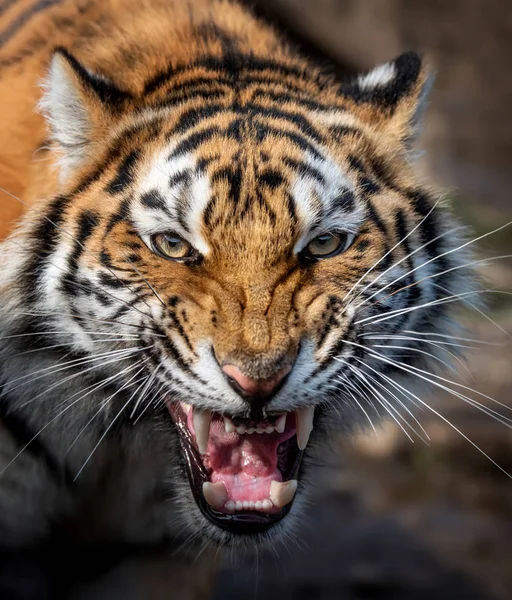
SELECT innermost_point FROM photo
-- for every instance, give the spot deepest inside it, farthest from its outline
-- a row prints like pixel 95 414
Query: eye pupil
pixel 172 246
pixel 327 245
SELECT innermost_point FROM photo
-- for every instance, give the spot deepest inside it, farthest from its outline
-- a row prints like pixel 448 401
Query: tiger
pixel 223 258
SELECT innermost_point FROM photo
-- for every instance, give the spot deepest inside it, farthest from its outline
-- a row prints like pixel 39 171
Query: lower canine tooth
pixel 282 492
pixel 185 407
pixel 201 420
pixel 215 494
pixel 304 418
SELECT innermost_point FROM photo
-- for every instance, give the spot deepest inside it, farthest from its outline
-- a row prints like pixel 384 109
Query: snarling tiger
pixel 227 260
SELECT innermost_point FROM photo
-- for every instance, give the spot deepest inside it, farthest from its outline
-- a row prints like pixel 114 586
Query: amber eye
pixel 327 245
pixel 170 245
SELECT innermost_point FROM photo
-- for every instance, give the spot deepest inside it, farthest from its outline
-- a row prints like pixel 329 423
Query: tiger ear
pixel 79 107
pixel 393 96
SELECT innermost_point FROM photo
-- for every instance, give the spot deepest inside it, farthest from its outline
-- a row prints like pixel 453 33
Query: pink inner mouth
pixel 245 463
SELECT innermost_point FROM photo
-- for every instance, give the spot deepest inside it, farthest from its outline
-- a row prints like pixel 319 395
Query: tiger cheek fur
pixel 176 319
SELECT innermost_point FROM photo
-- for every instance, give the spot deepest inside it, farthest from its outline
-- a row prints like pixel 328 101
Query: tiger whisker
pixel 118 354
pixel 105 433
pixel 435 258
pixel 419 351
pixel 149 382
pixel 344 381
pixel 439 301
pixel 479 310
pixel 78 285
pixel 380 399
pixel 61 382
pixel 436 344
pixel 149 402
pixel 103 404
pixel 417 371
pixel 453 337
pixel 361 374
pixel 433 276
pixel 84 318
pixel 375 264
pixel 35 436
pixel 450 424
pixel 74 238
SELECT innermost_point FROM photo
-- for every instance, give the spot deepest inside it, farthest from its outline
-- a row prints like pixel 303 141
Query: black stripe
pixel 45 239
pixel 247 62
pixel 26 438
pixel 6 5
pixel 125 174
pixel 304 169
pixel 22 19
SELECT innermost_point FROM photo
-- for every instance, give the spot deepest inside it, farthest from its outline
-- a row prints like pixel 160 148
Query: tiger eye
pixel 325 245
pixel 172 246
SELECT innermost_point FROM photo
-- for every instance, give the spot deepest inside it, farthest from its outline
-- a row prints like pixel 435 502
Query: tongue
pixel 247 463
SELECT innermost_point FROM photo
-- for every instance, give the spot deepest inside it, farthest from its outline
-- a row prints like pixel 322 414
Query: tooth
pixel 251 430
pixel 239 505
pixel 281 423
pixel 215 494
pixel 229 426
pixel 260 430
pixel 251 505
pixel 266 504
pixel 269 429
pixel 185 407
pixel 304 418
pixel 230 506
pixel 241 429
pixel 246 504
pixel 201 420
pixel 282 492
pixel 258 505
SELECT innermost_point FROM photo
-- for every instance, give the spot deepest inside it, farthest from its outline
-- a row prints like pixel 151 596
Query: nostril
pixel 254 387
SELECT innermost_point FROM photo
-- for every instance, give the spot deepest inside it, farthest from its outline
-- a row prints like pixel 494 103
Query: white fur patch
pixel 66 115
pixel 308 192
pixel 377 77
pixel 188 201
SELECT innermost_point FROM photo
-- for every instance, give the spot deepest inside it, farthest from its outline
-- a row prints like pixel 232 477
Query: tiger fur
pixel 126 119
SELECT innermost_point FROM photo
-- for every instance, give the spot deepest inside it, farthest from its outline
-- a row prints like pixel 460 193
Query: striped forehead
pixel 172 197
pixel 176 190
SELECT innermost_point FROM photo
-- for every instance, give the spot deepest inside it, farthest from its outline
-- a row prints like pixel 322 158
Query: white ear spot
pixel 377 77
pixel 64 109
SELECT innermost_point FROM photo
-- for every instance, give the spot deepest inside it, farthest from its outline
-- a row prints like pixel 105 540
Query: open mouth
pixel 243 474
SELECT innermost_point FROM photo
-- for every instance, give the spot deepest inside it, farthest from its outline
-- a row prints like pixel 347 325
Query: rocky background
pixel 392 519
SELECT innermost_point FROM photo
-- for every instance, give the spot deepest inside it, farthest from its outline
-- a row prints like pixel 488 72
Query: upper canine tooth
pixel 281 423
pixel 282 492
pixel 201 420
pixel 229 426
pixel 215 494
pixel 304 418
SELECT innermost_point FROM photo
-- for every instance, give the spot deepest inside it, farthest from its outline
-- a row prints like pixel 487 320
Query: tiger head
pixel 247 234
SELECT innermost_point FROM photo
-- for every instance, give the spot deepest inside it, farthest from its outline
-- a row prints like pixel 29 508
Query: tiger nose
pixel 254 389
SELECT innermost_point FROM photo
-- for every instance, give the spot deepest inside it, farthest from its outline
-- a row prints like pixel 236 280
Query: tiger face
pixel 248 237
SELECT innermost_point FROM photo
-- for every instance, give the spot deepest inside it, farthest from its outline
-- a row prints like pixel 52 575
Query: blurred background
pixel 392 519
